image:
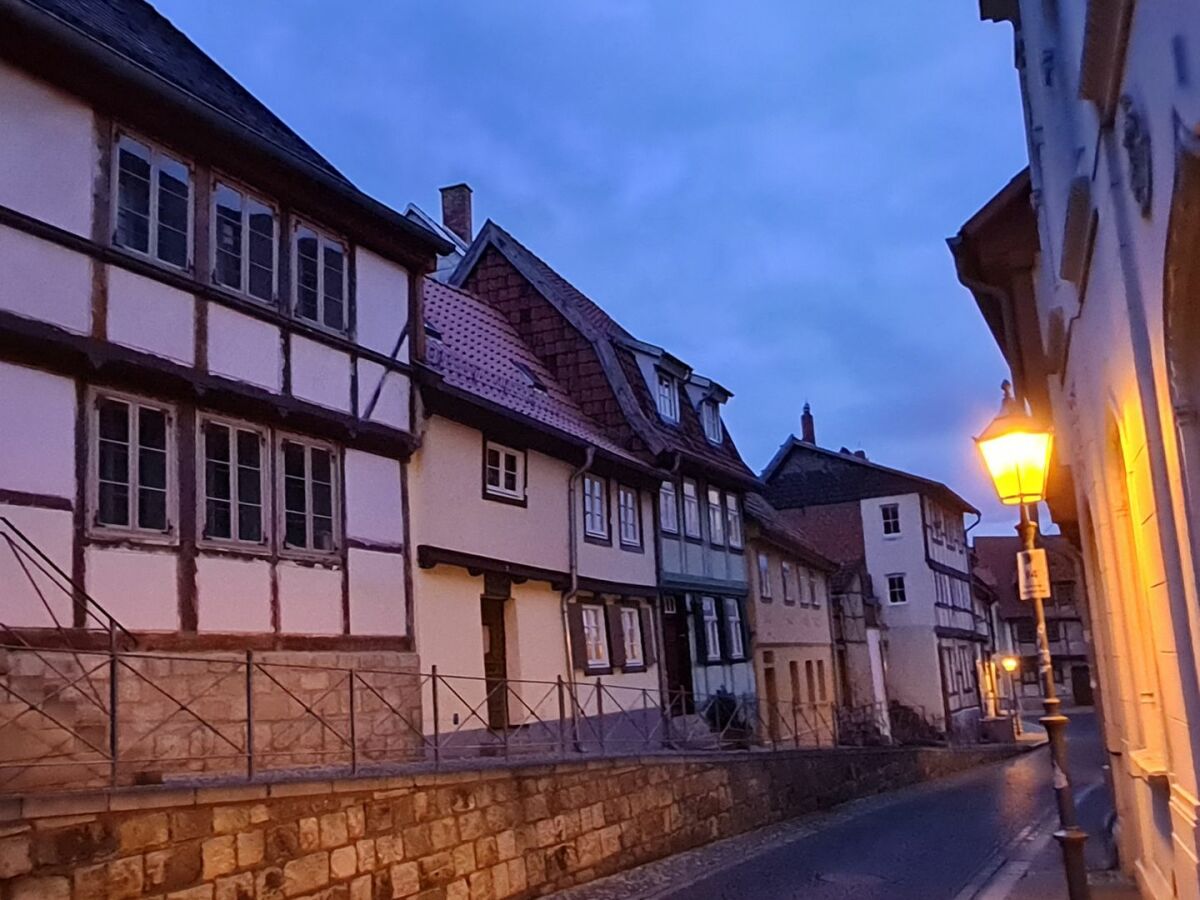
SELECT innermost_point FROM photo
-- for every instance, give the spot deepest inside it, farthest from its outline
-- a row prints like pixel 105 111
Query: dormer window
pixel 667 398
pixel 710 416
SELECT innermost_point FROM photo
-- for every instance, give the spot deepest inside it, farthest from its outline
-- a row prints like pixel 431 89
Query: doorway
pixel 1081 685
pixel 495 665
pixel 678 655
pixel 774 725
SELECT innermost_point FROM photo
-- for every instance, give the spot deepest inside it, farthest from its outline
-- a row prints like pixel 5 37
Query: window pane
pixel 306 275
pixel 334 285
pixel 173 191
pixel 293 460
pixel 113 504
pixel 152 508
pixel 295 532
pixel 217 518
pixel 262 250
pixel 322 467
pixel 133 196
pixel 228 204
pixel 250 522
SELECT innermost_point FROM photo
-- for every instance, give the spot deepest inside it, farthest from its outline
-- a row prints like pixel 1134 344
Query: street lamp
pixel 1009 664
pixel 1016 449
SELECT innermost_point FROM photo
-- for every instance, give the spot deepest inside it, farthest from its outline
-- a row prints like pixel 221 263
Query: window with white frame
pixel 764 576
pixel 629 516
pixel 712 628
pixel 244 245
pixel 710 417
pixel 891 518
pixel 668 508
pixel 716 517
pixel 814 589
pixel 667 397
pixel 133 444
pixel 309 496
pixel 231 485
pixel 595 507
pixel 503 471
pixel 154 202
pixel 691 509
pixel 319 278
pixel 896 592
pixel 733 520
pixel 785 576
pixel 595 637
pixel 631 631
pixel 733 627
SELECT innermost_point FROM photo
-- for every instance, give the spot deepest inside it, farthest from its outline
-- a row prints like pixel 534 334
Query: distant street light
pixel 1009 664
pixel 1016 449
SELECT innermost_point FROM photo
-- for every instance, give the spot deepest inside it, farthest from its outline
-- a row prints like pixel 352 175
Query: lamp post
pixel 1009 664
pixel 1016 450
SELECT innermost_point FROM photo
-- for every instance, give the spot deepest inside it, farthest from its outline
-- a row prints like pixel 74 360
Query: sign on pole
pixel 1033 574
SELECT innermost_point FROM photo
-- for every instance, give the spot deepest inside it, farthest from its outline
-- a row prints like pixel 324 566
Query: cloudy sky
pixel 764 188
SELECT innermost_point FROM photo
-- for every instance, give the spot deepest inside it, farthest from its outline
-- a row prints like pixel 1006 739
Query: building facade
pixel 790 620
pixel 1084 269
pixel 909 533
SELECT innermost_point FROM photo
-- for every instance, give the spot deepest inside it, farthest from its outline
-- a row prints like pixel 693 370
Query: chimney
pixel 456 210
pixel 808 431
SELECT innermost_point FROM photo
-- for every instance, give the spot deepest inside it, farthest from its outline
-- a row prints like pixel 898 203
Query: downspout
pixel 573 563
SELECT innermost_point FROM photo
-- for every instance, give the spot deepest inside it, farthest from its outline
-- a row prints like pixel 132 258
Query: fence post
pixel 353 730
pixel 600 710
pixel 664 703
pixel 562 719
pixel 504 711
pixel 437 725
pixel 114 744
pixel 249 715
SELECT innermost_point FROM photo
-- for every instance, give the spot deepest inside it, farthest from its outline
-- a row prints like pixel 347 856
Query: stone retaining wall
pixel 484 833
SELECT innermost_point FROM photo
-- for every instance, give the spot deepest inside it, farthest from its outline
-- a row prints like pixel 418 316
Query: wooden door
pixel 1081 685
pixel 773 714
pixel 678 656
pixel 495 667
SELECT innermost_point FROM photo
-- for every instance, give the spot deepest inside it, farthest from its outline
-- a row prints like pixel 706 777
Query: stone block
pixel 191 823
pixel 471 825
pixel 481 886
pixel 15 857
pixel 282 842
pixel 250 848
pixel 81 843
pixel 199 892
pixel 90 882
pixel 436 869
pixel 458 890
pixel 464 858
pixel 418 841
pixel 219 856
pixel 365 851
pixel 333 830
pixel 506 844
pixel 486 852
pixel 378 816
pixel 356 823
pixel 174 866
pixel 235 887
pixel 268 884
pixel 310 834
pixel 360 888
pixel 405 879
pixel 230 819
pixel 142 832
pixel 500 885
pixel 306 874
pixel 443 833
pixel 343 863
pixel 516 876
pixel 126 878
pixel 40 889
pixel 390 849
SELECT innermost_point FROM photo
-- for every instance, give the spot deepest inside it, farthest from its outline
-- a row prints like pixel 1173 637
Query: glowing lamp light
pixel 1009 663
pixel 1016 450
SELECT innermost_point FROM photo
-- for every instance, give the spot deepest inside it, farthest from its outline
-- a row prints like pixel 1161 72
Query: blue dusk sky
pixel 763 188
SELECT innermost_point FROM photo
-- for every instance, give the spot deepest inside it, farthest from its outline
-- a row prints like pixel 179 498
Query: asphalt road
pixel 930 843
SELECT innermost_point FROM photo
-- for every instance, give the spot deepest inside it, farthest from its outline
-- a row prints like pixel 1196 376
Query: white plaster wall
pixel 391 407
pixel 536 652
pixel 449 635
pixel 381 302
pixel 448 509
pixel 899 554
pixel 45 281
pixel 310 599
pixel 138 587
pixel 320 374
pixel 48 153
pixel 233 595
pixel 614 563
pixel 37 442
pixel 373 498
pixel 914 670
pixel 147 315
pixel 377 601
pixel 244 348
pixel 23 589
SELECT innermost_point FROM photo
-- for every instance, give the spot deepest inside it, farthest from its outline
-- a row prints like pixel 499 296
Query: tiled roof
pixel 133 29
pixel 481 353
pixel 777 529
pixel 619 364
pixel 844 477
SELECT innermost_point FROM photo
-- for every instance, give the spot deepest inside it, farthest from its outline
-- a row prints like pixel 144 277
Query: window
pixel 710 417
pixel 733 626
pixel 691 509
pixel 814 589
pixel 503 472
pixel 891 518
pixel 595 637
pixel 667 398
pixel 794 677
pixel 320 278
pixel 712 628
pixel 133 447
pixel 309 496
pixel 785 576
pixel 232 482
pixel 764 577
pixel 629 516
pixel 716 517
pixel 937 524
pixel 1026 631
pixel 1062 593
pixel 1029 670
pixel 811 678
pixel 733 520
pixel 668 508
pixel 1054 630
pixel 631 629
pixel 896 592
pixel 595 503
pixel 821 695
pixel 154 202
pixel 244 247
